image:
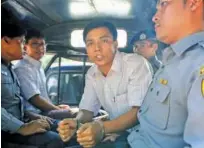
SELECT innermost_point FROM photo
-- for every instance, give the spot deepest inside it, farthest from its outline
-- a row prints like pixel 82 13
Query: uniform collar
pixel 116 66
pixel 32 61
pixel 182 45
pixel 155 61
pixel 7 64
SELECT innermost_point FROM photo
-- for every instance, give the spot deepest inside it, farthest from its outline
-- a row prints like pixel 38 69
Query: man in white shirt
pixel 33 81
pixel 117 82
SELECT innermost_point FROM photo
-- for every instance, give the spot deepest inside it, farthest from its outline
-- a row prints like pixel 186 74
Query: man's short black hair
pixel 100 23
pixel 33 33
pixel 11 30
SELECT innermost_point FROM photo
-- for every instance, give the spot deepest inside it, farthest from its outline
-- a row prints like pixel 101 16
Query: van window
pixel 77 38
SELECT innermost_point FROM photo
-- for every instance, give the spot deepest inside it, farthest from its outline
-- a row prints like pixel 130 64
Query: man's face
pixel 170 20
pixel 100 46
pixel 145 48
pixel 13 47
pixel 35 48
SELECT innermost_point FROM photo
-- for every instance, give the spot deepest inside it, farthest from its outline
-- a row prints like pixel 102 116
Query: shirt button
pixel 140 111
pixel 151 89
pixel 157 93
pixel 162 66
pixel 137 130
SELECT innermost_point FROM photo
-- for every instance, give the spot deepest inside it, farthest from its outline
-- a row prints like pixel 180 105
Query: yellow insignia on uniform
pixel 143 36
pixel 202 87
pixel 163 81
pixel 202 71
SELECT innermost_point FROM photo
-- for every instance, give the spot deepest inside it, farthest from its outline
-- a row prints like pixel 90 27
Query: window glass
pixel 77 38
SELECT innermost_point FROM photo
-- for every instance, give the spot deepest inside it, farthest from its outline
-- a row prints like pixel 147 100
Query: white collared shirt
pixel 32 80
pixel 124 87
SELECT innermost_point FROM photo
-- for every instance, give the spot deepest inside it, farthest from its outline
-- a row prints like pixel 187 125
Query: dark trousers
pixel 49 139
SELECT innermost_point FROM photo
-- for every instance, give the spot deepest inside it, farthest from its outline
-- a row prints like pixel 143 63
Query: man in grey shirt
pixel 13 126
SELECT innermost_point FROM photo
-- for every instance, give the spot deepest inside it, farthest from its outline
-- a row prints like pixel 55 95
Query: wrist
pixel 78 124
pixel 57 107
pixel 102 135
pixel 20 130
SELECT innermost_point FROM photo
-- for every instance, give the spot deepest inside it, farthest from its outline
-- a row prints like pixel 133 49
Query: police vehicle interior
pixel 62 22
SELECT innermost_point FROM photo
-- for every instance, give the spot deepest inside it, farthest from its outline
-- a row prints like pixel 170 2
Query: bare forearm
pixel 122 123
pixel 42 104
pixel 84 116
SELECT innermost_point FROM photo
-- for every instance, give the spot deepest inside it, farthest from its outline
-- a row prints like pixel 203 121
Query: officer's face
pixel 145 48
pixel 35 48
pixel 13 47
pixel 100 46
pixel 170 20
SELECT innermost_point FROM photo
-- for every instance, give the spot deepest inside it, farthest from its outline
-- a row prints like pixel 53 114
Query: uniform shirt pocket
pixel 162 93
pixel 137 140
pixel 6 86
pixel 6 79
pixel 157 111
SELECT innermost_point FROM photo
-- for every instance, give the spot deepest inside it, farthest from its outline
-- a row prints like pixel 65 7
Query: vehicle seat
pixel 71 92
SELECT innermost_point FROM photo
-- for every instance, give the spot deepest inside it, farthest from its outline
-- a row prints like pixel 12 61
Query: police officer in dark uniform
pixel 145 44
pixel 13 126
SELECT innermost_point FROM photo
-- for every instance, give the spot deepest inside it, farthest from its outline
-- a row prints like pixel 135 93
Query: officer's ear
pixel 155 46
pixel 6 39
pixel 194 4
